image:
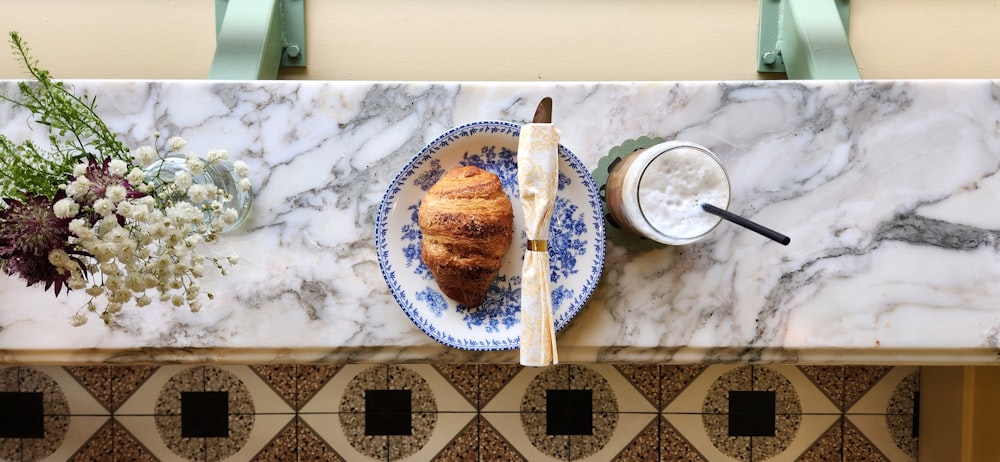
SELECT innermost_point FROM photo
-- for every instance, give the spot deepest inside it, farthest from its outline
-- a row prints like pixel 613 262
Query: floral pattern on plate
pixel 576 240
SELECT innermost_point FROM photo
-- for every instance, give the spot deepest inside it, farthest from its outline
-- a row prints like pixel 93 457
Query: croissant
pixel 467 223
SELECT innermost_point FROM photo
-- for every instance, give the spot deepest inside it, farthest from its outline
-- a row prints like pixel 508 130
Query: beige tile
pixel 859 445
pixel 876 399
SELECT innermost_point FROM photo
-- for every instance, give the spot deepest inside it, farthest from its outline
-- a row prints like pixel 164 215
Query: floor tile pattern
pixel 466 412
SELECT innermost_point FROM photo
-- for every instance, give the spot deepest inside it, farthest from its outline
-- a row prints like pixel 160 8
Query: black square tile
pixel 388 412
pixel 21 415
pixel 205 414
pixel 751 413
pixel 569 412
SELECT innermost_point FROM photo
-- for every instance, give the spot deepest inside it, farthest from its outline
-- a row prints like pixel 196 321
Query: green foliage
pixel 75 132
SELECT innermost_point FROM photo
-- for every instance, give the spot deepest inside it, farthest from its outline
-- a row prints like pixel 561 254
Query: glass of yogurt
pixel 658 192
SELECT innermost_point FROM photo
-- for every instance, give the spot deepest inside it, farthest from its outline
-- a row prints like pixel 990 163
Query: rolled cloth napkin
pixel 537 179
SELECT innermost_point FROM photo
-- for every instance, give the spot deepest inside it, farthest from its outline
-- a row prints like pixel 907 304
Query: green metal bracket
pixel 254 37
pixel 806 39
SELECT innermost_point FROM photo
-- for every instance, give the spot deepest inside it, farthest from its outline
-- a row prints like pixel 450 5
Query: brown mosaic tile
pixel 900 414
pixel 585 378
pixel 583 446
pixel 552 378
pixel 125 380
pixel 645 378
pixel 465 379
pixel 829 380
pixel 640 449
pixel 493 447
pixel 281 378
pixel 388 377
pixel 281 448
pixel 674 447
pixel 492 379
pixel 826 448
pixel 96 380
pixel 465 445
pixel 309 379
pixel 55 420
pixel 100 446
pixel 858 380
pixel 717 398
pixel 786 399
pixel 405 378
pixel 402 446
pixel 311 447
pixel 674 379
pixel 112 442
pixel 857 447
pixel 204 378
pixel 717 428
pixel 786 428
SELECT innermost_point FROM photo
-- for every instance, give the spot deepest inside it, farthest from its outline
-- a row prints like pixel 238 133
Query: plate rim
pixel 394 188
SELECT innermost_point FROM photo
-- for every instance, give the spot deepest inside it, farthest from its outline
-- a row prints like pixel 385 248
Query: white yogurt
pixel 658 192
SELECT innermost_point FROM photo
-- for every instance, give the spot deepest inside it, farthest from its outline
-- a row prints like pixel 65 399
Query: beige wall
pixel 488 40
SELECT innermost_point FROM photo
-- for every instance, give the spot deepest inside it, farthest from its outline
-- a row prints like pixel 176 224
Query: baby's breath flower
pixel 78 320
pixel 117 167
pixel 104 206
pixel 146 155
pixel 245 184
pixel 116 193
pixel 66 208
pixel 182 180
pixel 176 143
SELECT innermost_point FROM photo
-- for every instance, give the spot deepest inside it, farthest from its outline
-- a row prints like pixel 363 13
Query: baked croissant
pixel 467 223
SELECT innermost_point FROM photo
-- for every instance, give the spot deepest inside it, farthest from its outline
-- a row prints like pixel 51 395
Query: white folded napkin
pixel 537 178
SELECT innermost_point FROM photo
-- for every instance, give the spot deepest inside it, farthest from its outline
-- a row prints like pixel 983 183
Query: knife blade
pixel 543 114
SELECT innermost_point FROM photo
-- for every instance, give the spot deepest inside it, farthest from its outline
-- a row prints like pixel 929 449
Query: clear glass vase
pixel 220 173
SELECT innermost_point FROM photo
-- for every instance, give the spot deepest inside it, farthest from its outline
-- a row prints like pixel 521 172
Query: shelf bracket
pixel 253 38
pixel 806 39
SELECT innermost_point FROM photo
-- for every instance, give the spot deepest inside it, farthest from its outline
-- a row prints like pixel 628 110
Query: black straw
pixel 763 231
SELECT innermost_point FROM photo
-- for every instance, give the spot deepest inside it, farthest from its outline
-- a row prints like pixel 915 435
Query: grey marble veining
pixel 889 191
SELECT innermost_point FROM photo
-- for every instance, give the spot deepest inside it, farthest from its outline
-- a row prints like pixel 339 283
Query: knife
pixel 543 113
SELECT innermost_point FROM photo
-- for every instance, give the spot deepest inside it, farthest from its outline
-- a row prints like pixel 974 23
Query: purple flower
pixel 29 231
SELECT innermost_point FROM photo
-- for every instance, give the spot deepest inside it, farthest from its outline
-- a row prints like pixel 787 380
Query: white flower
pixel 245 184
pixel 116 193
pixel 229 216
pixel 104 206
pixel 215 155
pixel 78 320
pixel 136 176
pixel 197 193
pixel 117 167
pixel 194 164
pixel 78 188
pixel 182 180
pixel 146 155
pixel 66 208
pixel 80 169
pixel 241 168
pixel 176 143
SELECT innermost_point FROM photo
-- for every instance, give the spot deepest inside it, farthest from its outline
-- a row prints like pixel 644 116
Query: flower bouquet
pixel 84 213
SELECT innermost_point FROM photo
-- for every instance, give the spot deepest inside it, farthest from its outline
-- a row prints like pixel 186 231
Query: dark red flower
pixel 29 231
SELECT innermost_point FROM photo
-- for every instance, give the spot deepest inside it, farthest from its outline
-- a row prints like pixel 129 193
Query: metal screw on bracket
pixel 769 57
pixel 293 51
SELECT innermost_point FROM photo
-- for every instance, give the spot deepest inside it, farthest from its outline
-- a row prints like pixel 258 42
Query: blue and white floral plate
pixel 576 240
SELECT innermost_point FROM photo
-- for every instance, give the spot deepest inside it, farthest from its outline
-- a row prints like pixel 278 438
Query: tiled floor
pixel 458 412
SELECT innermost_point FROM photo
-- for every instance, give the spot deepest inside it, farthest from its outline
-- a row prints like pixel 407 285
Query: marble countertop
pixel 889 190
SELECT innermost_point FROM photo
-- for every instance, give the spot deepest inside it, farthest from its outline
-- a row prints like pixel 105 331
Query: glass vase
pixel 219 173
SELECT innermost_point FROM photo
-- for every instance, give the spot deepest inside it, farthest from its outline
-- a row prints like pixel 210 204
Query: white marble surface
pixel 889 191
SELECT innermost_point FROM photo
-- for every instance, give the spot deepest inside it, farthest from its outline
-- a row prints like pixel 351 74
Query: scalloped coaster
pixel 615 232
